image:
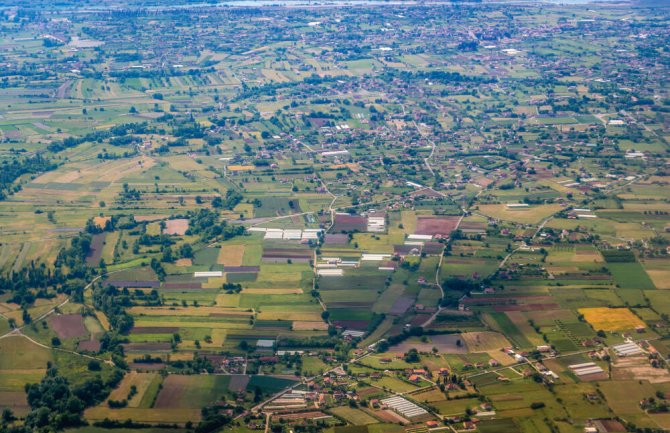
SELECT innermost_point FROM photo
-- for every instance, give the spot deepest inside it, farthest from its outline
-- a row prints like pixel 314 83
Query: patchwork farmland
pixel 374 217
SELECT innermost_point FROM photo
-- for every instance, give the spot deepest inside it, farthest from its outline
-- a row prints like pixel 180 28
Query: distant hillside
pixel 652 3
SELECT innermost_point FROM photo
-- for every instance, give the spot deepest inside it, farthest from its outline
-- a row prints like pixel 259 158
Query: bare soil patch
pixel 638 368
pixel 69 326
pixel 176 227
pixel 436 226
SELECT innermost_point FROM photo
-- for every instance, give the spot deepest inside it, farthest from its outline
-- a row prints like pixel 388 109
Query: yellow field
pixel 246 209
pixel 228 300
pixel 588 257
pixel 291 280
pixel 556 270
pixel 660 277
pixel 231 255
pixel 241 167
pixel 611 319
pixel 141 382
pixel 103 320
pixel 484 341
pixel 408 219
pixel 310 326
pixel 109 246
pixel 167 415
pixel 219 337
pixel 185 311
pixel 502 357
pixel 282 291
pixel 181 356
pixel 107 171
pixel 182 163
pixel 100 221
pixel 204 324
pixel 301 316
pixel 183 262
pixel 350 165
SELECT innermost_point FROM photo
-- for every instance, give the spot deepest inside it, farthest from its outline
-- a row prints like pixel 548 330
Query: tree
pixel 26 317
pixel 412 356
pixel 167 255
pixel 7 416
pixel 186 251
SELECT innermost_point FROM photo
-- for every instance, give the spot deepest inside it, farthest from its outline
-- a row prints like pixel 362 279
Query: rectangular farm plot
pixel 206 257
pixel 659 272
pixel 503 323
pixel 527 215
pixel 484 341
pixel 611 319
pixel 176 227
pixel 231 255
pixel 153 415
pixel 141 381
pixel 630 276
pixel 269 383
pixel 283 255
pixel 95 251
pixel 587 254
pixel 191 391
pixel 436 226
pixel 309 326
pixel 101 221
pixel 18 353
pixel 69 326
pixel 349 223
pixel 15 401
pixel 354 416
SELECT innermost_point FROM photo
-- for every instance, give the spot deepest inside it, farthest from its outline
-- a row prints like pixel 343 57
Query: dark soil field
pixel 436 226
pixel 527 307
pixel 401 305
pixel 241 269
pixel 135 284
pixel 238 382
pixel 349 223
pixel 192 286
pixel 287 253
pixel 473 226
pixel 336 239
pixel 89 346
pixel 94 254
pixel 432 248
pixel 69 326
pixel 352 324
